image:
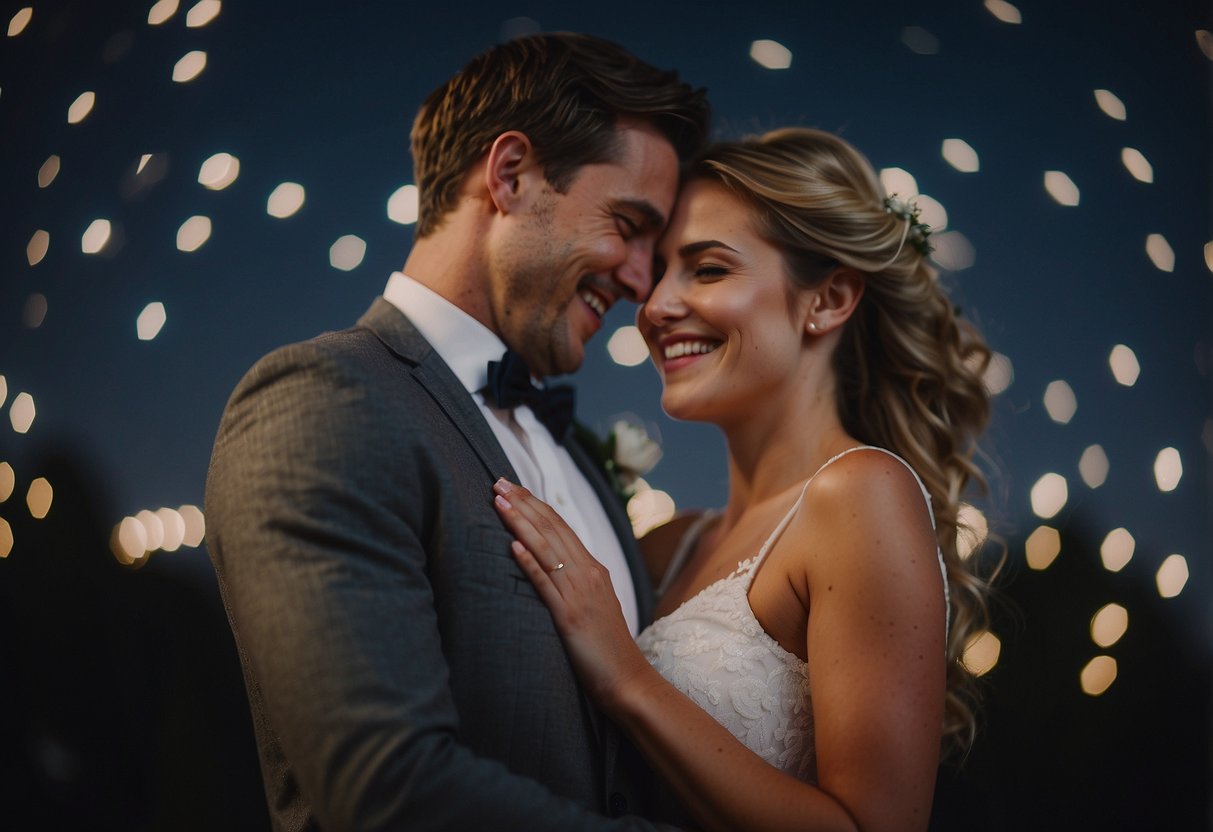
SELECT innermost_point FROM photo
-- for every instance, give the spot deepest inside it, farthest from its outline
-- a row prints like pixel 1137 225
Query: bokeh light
pixel 150 321
pixel 931 212
pixel 22 412
pixel 1093 466
pixel 18 22
pixel 37 247
pixel 1004 11
pixel 96 236
pixel 649 508
pixel 1060 402
pixel 285 200
pixel 174 529
pixel 1061 188
pixel 189 67
pixel 1172 576
pixel 202 13
pixel 39 498
pixel 346 254
pixel 6 538
pixel 153 528
pixel 1125 368
pixel 162 11
pixel 898 181
pixel 1117 549
pixel 193 233
pixel 34 311
pixel 771 54
pixel 1204 39
pixel 972 530
pixel 129 541
pixel 1168 469
pixel 8 481
pixel 627 346
pixel 953 251
pixel 1137 165
pixel 1098 675
pixel 195 525
pixel 1049 495
pixel 981 653
pixel 1160 253
pixel 1109 624
pixel 999 374
pixel 402 205
pixel 48 171
pixel 1110 104
pixel 960 154
pixel 219 171
pixel 1042 547
pixel 81 107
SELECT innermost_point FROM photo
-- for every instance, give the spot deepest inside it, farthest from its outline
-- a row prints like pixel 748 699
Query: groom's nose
pixel 635 274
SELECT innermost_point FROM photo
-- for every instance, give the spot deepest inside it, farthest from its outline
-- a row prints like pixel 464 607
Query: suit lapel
pixel 397 332
pixel 620 523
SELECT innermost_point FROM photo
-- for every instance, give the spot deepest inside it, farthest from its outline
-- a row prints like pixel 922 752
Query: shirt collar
pixel 465 344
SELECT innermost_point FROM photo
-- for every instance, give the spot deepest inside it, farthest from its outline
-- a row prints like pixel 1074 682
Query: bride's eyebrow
pixel 703 245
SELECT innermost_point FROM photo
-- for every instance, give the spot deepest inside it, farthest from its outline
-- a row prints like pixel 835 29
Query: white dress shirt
pixel 543 466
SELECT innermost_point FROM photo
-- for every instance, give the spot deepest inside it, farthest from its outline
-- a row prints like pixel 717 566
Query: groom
pixel 401 670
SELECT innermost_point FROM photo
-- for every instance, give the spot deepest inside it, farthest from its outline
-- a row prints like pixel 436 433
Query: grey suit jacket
pixel 401 669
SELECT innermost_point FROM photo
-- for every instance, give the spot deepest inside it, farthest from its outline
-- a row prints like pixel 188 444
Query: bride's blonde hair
pixel 909 371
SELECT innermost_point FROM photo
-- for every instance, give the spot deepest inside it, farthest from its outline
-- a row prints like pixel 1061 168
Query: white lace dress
pixel 713 649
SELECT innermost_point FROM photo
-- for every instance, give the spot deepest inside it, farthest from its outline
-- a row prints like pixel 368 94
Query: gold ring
pixel 556 567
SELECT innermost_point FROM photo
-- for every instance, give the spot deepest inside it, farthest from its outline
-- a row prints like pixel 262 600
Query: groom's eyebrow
pixel 703 245
pixel 650 218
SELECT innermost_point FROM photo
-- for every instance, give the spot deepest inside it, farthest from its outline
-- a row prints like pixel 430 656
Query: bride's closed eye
pixel 710 271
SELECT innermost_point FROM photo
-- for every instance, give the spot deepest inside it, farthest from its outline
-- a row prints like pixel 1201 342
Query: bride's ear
pixel 833 301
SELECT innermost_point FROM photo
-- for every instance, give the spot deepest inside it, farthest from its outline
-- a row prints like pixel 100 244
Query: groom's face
pixel 573 255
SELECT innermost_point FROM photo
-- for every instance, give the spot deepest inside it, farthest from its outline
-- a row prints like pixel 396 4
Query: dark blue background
pixel 324 93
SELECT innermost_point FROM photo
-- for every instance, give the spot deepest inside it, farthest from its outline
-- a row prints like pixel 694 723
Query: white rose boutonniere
pixel 627 454
pixel 633 454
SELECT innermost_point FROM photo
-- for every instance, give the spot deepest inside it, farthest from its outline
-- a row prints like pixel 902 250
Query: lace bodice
pixel 714 650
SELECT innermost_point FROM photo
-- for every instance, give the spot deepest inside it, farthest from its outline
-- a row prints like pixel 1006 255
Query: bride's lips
pixel 674 352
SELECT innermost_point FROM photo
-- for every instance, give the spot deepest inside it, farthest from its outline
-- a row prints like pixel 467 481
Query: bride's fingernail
pixel 502 502
pixel 502 486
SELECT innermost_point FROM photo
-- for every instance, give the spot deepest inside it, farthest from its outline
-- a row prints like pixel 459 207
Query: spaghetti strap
pixel 752 567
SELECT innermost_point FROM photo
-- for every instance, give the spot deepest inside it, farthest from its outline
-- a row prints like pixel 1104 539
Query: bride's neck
pixel 768 456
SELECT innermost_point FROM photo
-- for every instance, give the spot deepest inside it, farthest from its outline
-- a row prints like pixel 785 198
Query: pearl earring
pixel 813 325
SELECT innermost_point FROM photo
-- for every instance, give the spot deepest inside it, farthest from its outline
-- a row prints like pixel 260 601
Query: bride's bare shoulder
pixel 659 544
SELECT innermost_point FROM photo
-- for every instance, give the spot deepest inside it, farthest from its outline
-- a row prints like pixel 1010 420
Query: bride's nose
pixel 663 305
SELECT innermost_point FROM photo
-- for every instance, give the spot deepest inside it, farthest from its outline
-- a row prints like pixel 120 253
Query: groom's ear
pixel 509 166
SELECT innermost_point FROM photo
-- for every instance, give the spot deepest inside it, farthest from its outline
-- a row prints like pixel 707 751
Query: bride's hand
pixel 578 591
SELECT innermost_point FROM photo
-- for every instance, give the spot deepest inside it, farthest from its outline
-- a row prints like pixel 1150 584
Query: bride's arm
pixel 876 626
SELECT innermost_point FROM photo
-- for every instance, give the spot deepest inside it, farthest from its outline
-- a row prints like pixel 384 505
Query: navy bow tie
pixel 510 385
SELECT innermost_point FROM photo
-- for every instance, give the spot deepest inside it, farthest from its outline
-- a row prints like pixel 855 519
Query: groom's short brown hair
pixel 565 92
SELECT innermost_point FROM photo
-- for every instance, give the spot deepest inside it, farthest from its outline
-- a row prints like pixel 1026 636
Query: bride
pixel 804 666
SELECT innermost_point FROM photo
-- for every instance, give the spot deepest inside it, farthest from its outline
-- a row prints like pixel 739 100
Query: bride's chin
pixel 679 407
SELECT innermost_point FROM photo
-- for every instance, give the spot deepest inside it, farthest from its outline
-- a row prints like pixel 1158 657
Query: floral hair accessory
pixel 916 232
pixel 627 454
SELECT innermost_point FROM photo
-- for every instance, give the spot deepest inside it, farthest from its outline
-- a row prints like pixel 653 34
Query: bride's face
pixel 722 326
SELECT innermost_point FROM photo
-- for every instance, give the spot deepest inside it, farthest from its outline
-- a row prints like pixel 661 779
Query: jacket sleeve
pixel 316 519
